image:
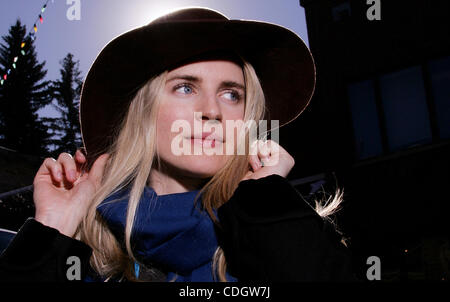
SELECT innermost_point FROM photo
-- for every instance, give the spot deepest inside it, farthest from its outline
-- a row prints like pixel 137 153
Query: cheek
pixel 164 122
pixel 236 112
pixel 167 116
pixel 236 118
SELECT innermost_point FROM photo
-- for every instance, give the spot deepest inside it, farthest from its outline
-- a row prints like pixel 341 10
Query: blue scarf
pixel 169 231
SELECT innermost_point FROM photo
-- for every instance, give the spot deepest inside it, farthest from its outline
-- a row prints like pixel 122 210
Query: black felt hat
pixel 282 61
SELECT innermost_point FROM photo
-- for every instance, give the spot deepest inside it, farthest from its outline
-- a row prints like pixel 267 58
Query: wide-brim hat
pixel 282 61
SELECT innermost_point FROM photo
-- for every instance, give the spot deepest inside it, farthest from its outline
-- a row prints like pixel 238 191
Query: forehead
pixel 210 68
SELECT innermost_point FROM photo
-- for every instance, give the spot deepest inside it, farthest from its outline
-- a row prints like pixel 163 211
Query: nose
pixel 209 108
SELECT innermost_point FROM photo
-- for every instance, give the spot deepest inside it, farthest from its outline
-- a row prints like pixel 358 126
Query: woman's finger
pixel 268 152
pixel 263 151
pixel 53 167
pixel 255 163
pixel 96 172
pixel 253 157
pixel 79 156
pixel 80 160
pixel 69 166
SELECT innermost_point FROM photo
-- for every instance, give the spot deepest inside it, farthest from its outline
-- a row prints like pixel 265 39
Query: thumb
pixel 96 172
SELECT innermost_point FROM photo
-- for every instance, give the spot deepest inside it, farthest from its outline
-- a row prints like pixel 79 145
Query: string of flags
pixel 32 35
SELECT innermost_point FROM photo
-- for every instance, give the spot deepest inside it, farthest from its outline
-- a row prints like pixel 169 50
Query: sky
pixel 100 21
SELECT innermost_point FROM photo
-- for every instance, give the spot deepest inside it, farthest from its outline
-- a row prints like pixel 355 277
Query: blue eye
pixel 235 96
pixel 186 88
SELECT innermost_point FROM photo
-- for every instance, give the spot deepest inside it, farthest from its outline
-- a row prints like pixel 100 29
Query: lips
pixel 207 136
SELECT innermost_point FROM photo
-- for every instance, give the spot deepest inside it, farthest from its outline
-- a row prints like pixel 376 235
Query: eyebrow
pixel 194 79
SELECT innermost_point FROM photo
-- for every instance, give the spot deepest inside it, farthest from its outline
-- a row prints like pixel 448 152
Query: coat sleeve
pixel 41 253
pixel 270 233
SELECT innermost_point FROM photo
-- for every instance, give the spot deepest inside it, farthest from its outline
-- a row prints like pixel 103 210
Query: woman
pixel 143 203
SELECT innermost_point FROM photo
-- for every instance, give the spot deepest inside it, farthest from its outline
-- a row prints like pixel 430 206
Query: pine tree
pixel 66 91
pixel 22 95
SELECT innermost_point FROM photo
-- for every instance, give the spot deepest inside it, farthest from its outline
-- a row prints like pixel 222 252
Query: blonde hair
pixel 137 132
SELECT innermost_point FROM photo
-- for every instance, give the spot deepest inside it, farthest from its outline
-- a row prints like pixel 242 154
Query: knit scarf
pixel 170 231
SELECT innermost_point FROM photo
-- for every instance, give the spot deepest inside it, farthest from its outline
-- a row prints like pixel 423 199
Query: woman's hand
pixel 267 158
pixel 62 191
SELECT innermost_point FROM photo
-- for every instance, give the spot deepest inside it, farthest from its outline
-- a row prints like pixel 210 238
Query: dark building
pixel 379 122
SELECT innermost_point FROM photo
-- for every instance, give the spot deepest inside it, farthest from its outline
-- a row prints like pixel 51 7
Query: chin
pixel 201 166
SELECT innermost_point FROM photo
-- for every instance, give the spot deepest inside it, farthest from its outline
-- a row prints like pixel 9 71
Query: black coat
pixel 269 233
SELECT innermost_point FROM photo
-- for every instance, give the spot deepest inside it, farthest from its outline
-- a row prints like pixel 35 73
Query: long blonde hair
pixel 137 132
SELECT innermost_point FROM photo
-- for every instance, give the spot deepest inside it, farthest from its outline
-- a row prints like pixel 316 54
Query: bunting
pixel 32 35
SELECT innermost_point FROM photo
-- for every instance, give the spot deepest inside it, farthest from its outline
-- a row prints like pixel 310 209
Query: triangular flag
pixel 35 28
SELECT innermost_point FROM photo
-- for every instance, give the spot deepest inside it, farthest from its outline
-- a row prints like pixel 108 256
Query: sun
pixel 153 9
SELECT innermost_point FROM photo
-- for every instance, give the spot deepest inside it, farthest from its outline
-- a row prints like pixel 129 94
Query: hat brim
pixel 282 61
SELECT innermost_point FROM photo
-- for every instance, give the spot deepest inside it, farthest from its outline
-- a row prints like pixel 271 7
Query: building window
pixel 341 11
pixel 365 119
pixel 405 110
pixel 440 87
